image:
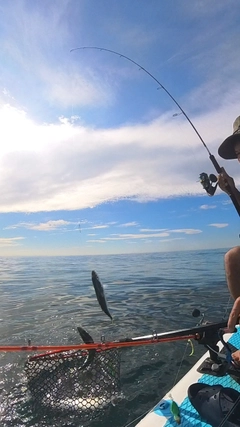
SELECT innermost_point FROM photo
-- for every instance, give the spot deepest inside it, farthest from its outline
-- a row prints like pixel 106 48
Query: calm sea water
pixel 45 299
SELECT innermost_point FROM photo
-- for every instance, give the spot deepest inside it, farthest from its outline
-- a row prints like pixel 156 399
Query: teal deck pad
pixel 189 416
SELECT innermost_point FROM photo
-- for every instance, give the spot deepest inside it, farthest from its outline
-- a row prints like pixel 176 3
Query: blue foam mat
pixel 189 416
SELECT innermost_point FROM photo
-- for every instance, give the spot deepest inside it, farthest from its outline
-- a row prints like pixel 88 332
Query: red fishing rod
pixel 198 333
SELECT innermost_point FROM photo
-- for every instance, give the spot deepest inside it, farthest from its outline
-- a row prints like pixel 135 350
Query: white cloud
pixel 144 236
pixel 94 227
pixel 187 231
pixel 206 207
pixel 64 166
pixel 67 165
pixel 147 230
pixel 10 241
pixel 227 202
pixel 218 225
pixel 129 224
pixel 49 225
pixel 74 89
pixel 43 226
pixel 171 240
pixel 58 224
pixel 135 236
pixel 96 241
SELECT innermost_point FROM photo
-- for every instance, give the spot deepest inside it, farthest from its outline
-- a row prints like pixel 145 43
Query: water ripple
pixel 45 299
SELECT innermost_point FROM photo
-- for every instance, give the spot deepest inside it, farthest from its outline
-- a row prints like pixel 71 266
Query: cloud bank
pixel 64 166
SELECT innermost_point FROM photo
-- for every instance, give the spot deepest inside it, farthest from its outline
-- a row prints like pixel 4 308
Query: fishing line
pixel 161 86
pixel 154 78
pixel 174 382
pixel 138 418
pixel 180 366
pixel 227 307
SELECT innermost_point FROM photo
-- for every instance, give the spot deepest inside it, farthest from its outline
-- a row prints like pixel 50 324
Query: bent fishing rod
pixel 203 334
pixel 204 179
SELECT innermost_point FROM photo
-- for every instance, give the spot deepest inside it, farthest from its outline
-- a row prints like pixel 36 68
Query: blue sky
pixel 94 156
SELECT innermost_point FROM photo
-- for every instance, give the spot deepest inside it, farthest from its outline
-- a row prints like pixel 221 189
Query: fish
pixel 100 294
pixel 78 404
pixel 87 339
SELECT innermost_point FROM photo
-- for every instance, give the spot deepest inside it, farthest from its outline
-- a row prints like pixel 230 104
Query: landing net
pixel 82 383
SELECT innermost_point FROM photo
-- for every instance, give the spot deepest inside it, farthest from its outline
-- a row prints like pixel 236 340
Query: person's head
pixel 230 147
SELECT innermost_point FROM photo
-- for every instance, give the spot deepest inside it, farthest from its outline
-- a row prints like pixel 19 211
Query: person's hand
pixel 236 357
pixel 233 319
pixel 226 182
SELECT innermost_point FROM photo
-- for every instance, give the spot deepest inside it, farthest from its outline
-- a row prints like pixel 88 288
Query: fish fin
pixel 87 339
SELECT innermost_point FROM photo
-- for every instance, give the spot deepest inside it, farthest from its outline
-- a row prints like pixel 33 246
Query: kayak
pixel 210 384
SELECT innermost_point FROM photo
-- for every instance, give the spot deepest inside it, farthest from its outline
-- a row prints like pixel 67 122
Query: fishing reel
pixel 207 182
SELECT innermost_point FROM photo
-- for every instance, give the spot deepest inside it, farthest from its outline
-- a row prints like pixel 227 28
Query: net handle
pixel 95 346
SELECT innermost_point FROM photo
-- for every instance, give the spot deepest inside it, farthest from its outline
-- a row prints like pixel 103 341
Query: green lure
pixel 175 412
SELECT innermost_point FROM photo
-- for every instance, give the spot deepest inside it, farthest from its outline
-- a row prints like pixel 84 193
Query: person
pixel 230 149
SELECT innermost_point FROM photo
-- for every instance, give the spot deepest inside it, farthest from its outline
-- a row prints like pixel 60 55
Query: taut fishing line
pixel 206 181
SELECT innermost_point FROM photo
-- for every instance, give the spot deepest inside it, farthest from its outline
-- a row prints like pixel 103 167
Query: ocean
pixel 44 300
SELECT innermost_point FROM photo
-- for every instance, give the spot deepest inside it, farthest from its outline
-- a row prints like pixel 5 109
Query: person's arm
pixel 234 316
pixel 227 183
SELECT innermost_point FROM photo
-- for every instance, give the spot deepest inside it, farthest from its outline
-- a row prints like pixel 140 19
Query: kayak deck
pixel 188 414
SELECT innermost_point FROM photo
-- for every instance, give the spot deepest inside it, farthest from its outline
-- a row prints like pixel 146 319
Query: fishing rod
pixel 205 180
pixel 202 334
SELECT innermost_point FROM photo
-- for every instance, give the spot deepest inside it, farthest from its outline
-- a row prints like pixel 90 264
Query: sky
pixel 95 156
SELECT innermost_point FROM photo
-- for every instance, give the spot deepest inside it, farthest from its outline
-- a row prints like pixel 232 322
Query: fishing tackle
pixel 207 183
pixel 192 347
pixel 211 156
pixel 175 411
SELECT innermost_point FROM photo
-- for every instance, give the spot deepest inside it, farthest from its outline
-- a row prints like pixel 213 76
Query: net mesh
pixel 83 382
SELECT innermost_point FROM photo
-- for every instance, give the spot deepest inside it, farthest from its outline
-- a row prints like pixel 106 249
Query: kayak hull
pixel 159 416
